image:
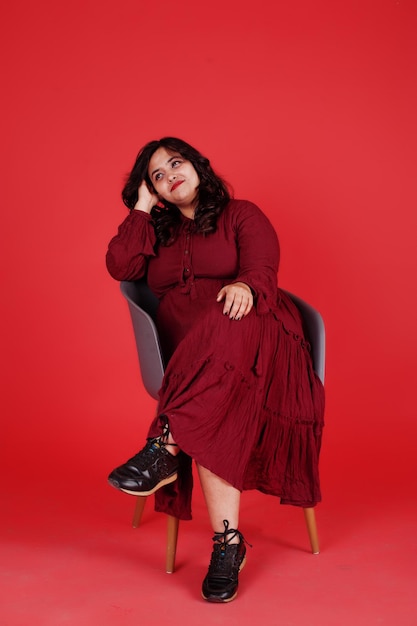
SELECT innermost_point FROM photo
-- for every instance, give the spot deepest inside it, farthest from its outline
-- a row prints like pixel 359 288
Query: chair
pixel 142 306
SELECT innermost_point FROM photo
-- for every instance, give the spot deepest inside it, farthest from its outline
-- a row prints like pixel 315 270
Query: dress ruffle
pixel 242 399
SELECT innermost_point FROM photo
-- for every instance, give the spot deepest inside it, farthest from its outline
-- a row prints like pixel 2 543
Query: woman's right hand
pixel 146 198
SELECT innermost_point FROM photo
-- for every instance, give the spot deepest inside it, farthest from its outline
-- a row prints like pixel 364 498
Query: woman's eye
pixel 158 176
pixel 176 163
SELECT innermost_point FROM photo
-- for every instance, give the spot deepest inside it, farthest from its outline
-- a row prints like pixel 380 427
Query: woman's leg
pixel 228 557
pixel 222 500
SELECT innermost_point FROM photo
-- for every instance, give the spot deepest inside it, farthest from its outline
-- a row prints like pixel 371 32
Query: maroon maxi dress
pixel 241 397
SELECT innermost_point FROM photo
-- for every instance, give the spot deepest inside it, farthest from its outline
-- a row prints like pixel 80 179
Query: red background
pixel 309 110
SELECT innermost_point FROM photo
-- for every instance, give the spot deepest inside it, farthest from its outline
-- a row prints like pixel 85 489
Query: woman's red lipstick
pixel 176 184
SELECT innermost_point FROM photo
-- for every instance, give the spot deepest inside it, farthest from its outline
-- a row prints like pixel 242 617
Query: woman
pixel 239 395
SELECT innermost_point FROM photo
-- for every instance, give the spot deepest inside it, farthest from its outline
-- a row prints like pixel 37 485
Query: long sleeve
pixel 258 250
pixel 128 252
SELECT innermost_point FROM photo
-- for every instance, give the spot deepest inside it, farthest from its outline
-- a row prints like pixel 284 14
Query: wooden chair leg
pixel 137 515
pixel 172 532
pixel 172 537
pixel 310 518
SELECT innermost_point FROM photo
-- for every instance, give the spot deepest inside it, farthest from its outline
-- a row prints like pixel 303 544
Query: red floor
pixel 70 556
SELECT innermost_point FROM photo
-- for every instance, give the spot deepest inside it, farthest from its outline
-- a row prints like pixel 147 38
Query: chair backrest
pixel 315 333
pixel 143 305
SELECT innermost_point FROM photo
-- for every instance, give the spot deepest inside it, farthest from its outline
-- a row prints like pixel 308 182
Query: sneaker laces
pixel 162 440
pixel 146 456
pixel 222 537
pixel 226 558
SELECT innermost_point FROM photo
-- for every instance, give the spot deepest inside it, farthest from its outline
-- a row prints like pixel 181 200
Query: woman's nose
pixel 172 177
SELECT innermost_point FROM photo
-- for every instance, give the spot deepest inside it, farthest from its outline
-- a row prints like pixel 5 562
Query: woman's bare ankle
pixel 172 448
pixel 168 441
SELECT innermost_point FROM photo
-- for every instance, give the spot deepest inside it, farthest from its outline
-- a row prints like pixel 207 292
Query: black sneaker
pixel 221 582
pixel 146 472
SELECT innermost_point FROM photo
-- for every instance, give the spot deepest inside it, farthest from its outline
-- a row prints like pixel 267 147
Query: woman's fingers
pixel 240 310
pixel 146 198
pixel 238 300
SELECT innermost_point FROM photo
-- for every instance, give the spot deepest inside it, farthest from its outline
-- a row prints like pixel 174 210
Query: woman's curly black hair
pixel 213 193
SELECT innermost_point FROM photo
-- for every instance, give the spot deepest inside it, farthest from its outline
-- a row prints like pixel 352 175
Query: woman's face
pixel 174 178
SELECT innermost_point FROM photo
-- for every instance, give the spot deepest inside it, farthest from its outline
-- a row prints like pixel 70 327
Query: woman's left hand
pixel 238 300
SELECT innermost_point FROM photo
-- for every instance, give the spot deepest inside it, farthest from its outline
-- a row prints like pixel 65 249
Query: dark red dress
pixel 241 397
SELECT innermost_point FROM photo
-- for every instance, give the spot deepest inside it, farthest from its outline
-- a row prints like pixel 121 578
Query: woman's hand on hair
pixel 238 300
pixel 146 198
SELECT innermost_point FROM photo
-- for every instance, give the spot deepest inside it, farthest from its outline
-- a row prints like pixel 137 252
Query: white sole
pixel 166 481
